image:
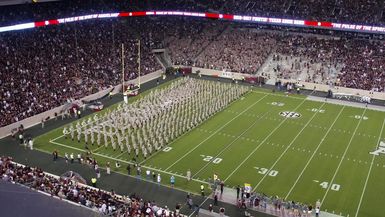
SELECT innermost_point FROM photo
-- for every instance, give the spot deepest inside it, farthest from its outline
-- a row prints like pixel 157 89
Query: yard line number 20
pixel 215 160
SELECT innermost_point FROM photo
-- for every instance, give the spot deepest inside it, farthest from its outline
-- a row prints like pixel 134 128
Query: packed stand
pixel 235 50
pixel 307 58
pixel 357 11
pixel 274 205
pixel 191 38
pixel 342 61
pixel 107 203
pixel 360 11
pixel 77 59
pixel 29 12
pixel 44 68
pixel 362 61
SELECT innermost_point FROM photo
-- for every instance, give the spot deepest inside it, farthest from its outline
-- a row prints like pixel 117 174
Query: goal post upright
pixel 139 61
pixel 123 68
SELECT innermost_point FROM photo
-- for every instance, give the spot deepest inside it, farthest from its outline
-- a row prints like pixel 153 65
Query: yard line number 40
pixel 334 187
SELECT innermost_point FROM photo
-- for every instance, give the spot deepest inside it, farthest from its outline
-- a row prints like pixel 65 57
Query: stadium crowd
pixel 237 51
pixel 245 51
pixel 75 60
pixel 44 68
pixel 107 203
pixel 357 11
pixel 71 61
pixel 274 205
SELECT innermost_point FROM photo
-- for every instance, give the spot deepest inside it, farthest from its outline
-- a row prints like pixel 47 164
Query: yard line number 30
pixel 264 171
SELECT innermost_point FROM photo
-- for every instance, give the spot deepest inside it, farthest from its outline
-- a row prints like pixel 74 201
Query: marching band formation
pixel 151 122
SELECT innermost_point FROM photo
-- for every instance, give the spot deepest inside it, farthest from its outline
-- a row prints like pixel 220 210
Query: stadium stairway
pixel 267 71
pixel 226 28
pixel 162 57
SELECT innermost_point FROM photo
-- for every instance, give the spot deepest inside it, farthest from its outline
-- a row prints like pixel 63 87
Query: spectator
pixel 108 168
pixel 55 155
pixel 107 203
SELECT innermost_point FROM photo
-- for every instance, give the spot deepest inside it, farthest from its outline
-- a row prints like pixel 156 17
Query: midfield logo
pixel 380 150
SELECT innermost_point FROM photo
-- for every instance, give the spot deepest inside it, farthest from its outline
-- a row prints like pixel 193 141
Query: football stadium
pixel 192 108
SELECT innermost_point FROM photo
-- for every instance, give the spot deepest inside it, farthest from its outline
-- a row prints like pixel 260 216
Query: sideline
pixel 347 103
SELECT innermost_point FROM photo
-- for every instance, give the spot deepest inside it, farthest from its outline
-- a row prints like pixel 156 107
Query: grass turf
pixel 323 154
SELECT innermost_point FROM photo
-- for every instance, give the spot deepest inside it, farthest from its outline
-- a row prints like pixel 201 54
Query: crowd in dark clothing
pixel 363 61
pixel 222 46
pixel 104 202
pixel 245 51
pixel 356 11
pixel 44 68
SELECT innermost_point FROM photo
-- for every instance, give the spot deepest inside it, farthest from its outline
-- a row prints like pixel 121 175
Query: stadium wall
pixel 36 119
pixel 305 85
pixel 337 89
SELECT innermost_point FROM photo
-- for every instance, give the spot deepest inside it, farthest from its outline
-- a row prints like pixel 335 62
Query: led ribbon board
pixel 230 17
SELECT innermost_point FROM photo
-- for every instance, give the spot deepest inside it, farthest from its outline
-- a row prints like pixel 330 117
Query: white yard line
pixel 370 170
pixel 97 149
pixel 115 159
pixel 342 158
pixel 200 206
pixel 232 142
pixel 53 141
pixel 260 144
pixel 215 132
pixel 57 138
pixel 122 154
pixel 71 147
pixel 312 156
pixel 288 147
pixel 281 95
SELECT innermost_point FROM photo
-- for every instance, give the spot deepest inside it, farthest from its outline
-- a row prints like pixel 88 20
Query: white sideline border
pixel 347 103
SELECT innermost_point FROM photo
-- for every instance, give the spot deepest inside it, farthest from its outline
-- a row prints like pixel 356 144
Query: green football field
pixel 282 145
